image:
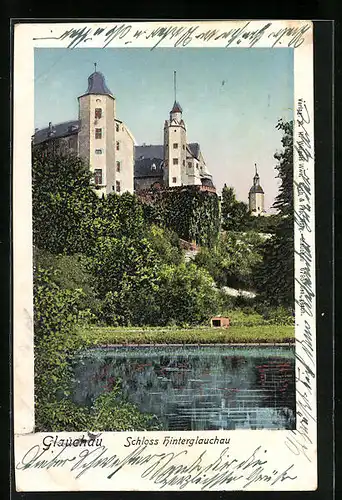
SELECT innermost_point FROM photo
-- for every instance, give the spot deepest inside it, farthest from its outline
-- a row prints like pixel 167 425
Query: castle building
pixel 117 164
pixel 98 136
pixel 256 196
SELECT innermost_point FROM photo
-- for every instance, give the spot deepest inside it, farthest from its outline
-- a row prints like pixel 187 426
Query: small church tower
pixel 175 146
pixel 256 196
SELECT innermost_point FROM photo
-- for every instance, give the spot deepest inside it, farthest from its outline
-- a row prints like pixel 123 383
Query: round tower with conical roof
pixel 256 196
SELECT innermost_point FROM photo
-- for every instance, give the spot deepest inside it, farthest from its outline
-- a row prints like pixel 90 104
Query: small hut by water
pixel 220 322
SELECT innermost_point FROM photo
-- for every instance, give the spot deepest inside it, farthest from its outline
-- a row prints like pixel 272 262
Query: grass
pixel 97 335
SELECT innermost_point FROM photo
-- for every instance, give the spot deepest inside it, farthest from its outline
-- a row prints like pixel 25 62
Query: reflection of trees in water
pixel 200 391
pixel 276 378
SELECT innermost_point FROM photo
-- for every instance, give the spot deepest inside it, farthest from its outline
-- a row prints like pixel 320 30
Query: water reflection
pixel 197 388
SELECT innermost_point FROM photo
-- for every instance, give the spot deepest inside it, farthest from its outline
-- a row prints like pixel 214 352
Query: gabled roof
pixel 63 129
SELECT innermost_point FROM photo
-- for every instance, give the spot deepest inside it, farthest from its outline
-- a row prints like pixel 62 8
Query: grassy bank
pixel 197 335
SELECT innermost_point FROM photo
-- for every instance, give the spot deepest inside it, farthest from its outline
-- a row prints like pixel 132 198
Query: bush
pixel 186 295
pixel 278 316
pixel 111 413
pixel 70 273
pixel 61 416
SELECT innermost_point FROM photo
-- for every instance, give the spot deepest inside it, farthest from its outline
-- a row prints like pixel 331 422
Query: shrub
pixel 112 413
pixel 186 295
pixel 278 316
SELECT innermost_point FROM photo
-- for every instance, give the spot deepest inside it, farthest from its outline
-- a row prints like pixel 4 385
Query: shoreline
pixel 212 344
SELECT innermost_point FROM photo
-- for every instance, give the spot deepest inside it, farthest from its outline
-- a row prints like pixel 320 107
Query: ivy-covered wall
pixel 193 214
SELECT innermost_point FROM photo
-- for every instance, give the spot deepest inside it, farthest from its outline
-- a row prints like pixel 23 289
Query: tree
pixel 126 271
pixel 234 213
pixel 63 202
pixel 275 276
pixel 186 295
pixel 232 261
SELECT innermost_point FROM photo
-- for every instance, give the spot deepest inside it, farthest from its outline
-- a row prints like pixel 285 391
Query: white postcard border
pixel 291 462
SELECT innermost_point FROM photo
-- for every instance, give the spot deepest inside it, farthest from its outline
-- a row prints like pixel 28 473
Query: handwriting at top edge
pixel 182 36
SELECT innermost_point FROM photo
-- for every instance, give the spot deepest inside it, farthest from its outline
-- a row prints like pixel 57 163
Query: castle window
pixel 175 145
pixel 98 151
pixel 98 176
pixel 175 161
pixel 118 166
pixel 98 133
pixel 174 180
pixel 183 163
pixel 189 164
pixel 117 127
pixel 117 145
pixel 98 113
pixel 183 146
pixel 118 186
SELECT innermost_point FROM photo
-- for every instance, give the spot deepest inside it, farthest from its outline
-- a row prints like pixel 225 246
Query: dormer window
pixel 98 113
pixel 98 133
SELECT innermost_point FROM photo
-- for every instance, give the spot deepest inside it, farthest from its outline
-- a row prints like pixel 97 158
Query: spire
pixel 176 106
pixel 256 188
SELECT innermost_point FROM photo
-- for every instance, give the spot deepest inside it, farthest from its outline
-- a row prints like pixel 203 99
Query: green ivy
pixel 193 214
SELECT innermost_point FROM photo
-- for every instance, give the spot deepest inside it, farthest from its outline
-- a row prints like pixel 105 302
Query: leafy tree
pixel 232 261
pixel 165 244
pixel 70 273
pixel 275 276
pixel 63 202
pixel 234 213
pixel 126 271
pixel 186 295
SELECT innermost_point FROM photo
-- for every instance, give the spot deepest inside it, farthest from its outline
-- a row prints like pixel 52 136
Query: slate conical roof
pixel 97 84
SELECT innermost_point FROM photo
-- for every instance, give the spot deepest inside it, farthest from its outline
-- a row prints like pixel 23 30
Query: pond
pixel 196 388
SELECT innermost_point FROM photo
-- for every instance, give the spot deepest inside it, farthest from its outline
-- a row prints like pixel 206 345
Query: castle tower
pixel 256 196
pixel 175 146
pixel 97 135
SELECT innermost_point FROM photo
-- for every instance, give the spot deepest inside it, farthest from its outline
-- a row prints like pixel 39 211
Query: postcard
pixel 164 256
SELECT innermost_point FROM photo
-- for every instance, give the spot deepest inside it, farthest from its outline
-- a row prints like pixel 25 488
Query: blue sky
pixel 231 98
